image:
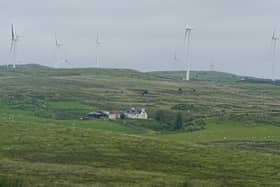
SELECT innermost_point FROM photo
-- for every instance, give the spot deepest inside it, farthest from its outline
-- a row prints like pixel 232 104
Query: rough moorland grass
pixel 11 182
pixel 228 131
pixel 115 89
pixel 15 117
pixel 78 156
pixel 35 146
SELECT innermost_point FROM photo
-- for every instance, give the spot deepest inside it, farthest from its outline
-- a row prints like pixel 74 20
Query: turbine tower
pixel 13 48
pixel 188 31
pixel 212 67
pixel 58 46
pixel 275 40
pixel 98 45
pixel 175 60
pixel 58 56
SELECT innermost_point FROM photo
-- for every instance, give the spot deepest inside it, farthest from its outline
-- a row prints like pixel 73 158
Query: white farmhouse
pixel 136 113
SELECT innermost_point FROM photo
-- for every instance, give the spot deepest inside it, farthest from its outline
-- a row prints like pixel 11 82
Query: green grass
pixel 11 182
pixel 198 75
pixel 228 131
pixel 10 116
pixel 75 156
pixel 42 140
pixel 69 105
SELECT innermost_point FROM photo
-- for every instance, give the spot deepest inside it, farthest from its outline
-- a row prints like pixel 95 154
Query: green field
pixel 43 142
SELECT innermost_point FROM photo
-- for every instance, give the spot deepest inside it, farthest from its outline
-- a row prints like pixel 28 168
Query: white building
pixel 136 114
pixel 114 115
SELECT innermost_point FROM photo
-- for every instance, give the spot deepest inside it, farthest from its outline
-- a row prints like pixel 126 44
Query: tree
pixel 159 116
pixel 145 92
pixel 179 122
pixel 180 90
pixel 122 116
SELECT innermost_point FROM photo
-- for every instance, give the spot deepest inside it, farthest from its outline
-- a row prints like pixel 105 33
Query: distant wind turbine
pixel 212 67
pixel 275 40
pixel 175 60
pixel 98 45
pixel 58 58
pixel 13 48
pixel 188 31
pixel 58 44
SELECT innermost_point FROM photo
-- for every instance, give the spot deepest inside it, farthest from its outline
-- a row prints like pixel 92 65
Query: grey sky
pixel 143 34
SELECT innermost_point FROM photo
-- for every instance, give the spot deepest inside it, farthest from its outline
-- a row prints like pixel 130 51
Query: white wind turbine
pixel 58 44
pixel 98 45
pixel 13 48
pixel 275 40
pixel 212 67
pixel 58 57
pixel 188 31
pixel 175 60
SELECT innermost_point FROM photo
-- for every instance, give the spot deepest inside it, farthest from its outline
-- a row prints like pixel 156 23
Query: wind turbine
pixel 58 44
pixel 175 60
pixel 58 58
pixel 13 48
pixel 98 45
pixel 212 67
pixel 275 40
pixel 188 31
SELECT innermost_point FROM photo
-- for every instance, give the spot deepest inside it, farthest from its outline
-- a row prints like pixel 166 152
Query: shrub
pixel 180 90
pixel 122 116
pixel 145 92
pixel 179 122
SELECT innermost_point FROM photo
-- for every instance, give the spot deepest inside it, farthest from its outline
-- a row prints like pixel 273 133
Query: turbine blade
pixel 274 34
pixel 13 32
pixel 12 46
pixel 56 41
pixel 186 32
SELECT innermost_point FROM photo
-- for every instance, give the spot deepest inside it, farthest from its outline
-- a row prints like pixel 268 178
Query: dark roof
pixel 134 111
pixel 97 114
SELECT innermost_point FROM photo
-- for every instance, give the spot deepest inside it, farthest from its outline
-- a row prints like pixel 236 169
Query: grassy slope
pixel 37 147
pixel 198 75
pixel 72 156
pixel 228 131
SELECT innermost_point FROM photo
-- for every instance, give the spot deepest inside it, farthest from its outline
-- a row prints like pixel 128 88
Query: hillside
pixel 198 75
pixel 43 141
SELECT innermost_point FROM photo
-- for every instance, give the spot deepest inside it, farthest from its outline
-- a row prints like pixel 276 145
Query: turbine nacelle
pixel 58 44
pixel 274 36
pixel 188 28
pixel 97 41
pixel 188 31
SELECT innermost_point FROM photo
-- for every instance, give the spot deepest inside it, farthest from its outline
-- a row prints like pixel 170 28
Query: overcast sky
pixel 235 36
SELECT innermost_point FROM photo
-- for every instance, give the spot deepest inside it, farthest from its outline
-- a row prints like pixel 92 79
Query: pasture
pixel 43 142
